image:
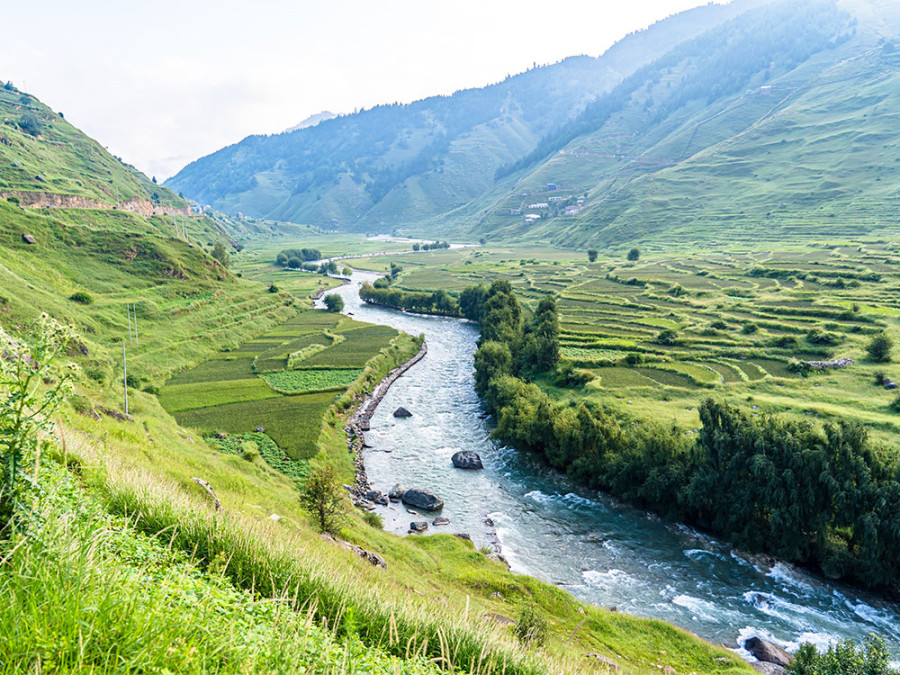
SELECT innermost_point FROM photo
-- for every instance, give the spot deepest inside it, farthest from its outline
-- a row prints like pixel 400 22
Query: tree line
pixel 828 498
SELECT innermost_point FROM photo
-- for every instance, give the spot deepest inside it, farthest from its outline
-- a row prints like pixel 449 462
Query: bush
pixel 844 658
pixel 373 519
pixel 133 381
pixel 592 255
pixel 334 302
pixel 273 288
pixel 13 200
pixel 667 336
pixel 531 629
pixel 82 298
pixel 719 325
pixel 817 336
pixel 894 405
pixel 634 254
pixel 749 329
pixel 30 124
pixel 879 348
pixel 634 358
pixel 878 377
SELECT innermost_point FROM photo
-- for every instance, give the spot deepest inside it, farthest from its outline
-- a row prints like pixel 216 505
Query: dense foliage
pixel 438 302
pixel 844 658
pixel 301 254
pixel 825 497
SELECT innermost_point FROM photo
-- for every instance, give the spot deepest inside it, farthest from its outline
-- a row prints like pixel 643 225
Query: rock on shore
pixel 423 499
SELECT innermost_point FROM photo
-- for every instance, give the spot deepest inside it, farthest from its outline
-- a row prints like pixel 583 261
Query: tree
pixel 592 254
pixel 220 254
pixel 667 336
pixel 634 254
pixel 879 348
pixel 320 496
pixel 334 302
pixel 30 124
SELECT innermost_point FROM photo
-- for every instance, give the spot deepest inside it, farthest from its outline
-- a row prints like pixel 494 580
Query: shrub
pixel 30 124
pixel 879 377
pixel 667 336
pixel 373 519
pixel 334 302
pixel 133 381
pixel 531 629
pixel 817 336
pixel 719 325
pixel 634 358
pixel 13 200
pixel 749 329
pixel 273 288
pixel 634 254
pixel 843 658
pixel 81 298
pixel 894 405
pixel 879 348
pixel 592 254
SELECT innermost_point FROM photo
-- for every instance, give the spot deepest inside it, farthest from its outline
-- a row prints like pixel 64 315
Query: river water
pixel 601 551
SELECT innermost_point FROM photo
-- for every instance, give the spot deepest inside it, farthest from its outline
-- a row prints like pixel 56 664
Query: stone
pixel 418 526
pixel 891 385
pixel 440 520
pixel 423 499
pixel 466 459
pixel 396 493
pixel 28 239
pixel 371 557
pixel 373 495
pixel 402 412
pixel 463 535
pixel 767 652
pixel 260 429
pixel 767 668
pixel 605 660
pixel 499 618
pixel 669 670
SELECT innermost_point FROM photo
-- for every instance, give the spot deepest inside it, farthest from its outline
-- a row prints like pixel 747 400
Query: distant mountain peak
pixel 312 121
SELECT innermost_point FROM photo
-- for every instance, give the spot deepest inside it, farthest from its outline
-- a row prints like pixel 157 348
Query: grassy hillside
pixel 41 152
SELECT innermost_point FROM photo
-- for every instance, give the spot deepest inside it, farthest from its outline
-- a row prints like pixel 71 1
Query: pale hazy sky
pixel 163 83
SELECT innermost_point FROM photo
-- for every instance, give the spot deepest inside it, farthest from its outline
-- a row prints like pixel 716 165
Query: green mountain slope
pixel 400 164
pixel 801 144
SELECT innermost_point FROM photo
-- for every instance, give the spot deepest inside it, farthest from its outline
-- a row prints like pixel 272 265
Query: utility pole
pixel 134 309
pixel 125 376
pixel 128 314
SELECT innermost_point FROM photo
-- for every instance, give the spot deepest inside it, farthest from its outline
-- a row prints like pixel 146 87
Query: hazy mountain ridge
pixel 405 163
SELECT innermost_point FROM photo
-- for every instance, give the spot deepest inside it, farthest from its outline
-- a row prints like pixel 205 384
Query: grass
pixel 181 397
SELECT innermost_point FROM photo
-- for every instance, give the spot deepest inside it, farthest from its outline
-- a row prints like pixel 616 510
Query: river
pixel 601 551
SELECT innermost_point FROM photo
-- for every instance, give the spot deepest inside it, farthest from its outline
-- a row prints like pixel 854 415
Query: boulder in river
pixel 402 412
pixel 396 493
pixel 423 499
pixel 466 459
pixel 441 520
pixel 767 652
pixel 418 526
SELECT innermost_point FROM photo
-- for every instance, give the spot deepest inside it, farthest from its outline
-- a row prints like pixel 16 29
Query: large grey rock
pixel 418 526
pixel 402 412
pixel 466 459
pixel 767 652
pixel 370 556
pixel 28 239
pixel 396 493
pixel 441 520
pixel 767 668
pixel 423 499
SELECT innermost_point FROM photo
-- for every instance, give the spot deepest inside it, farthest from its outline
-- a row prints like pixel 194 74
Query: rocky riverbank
pixel 359 424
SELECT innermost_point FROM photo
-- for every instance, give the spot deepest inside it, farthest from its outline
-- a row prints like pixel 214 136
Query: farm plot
pixel 250 388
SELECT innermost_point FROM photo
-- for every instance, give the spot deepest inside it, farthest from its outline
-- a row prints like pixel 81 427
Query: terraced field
pixel 661 333
pixel 259 385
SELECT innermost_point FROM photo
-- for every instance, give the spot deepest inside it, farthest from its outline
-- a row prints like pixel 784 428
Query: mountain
pixel 399 164
pixel 312 121
pixel 776 124
pixel 710 123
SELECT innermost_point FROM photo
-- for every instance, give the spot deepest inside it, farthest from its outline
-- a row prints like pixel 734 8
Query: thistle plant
pixel 33 384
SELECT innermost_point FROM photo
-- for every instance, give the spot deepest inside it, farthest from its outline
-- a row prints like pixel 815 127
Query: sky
pixel 163 83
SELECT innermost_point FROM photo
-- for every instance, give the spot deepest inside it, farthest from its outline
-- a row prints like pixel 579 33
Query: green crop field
pixel 240 391
pixel 299 381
